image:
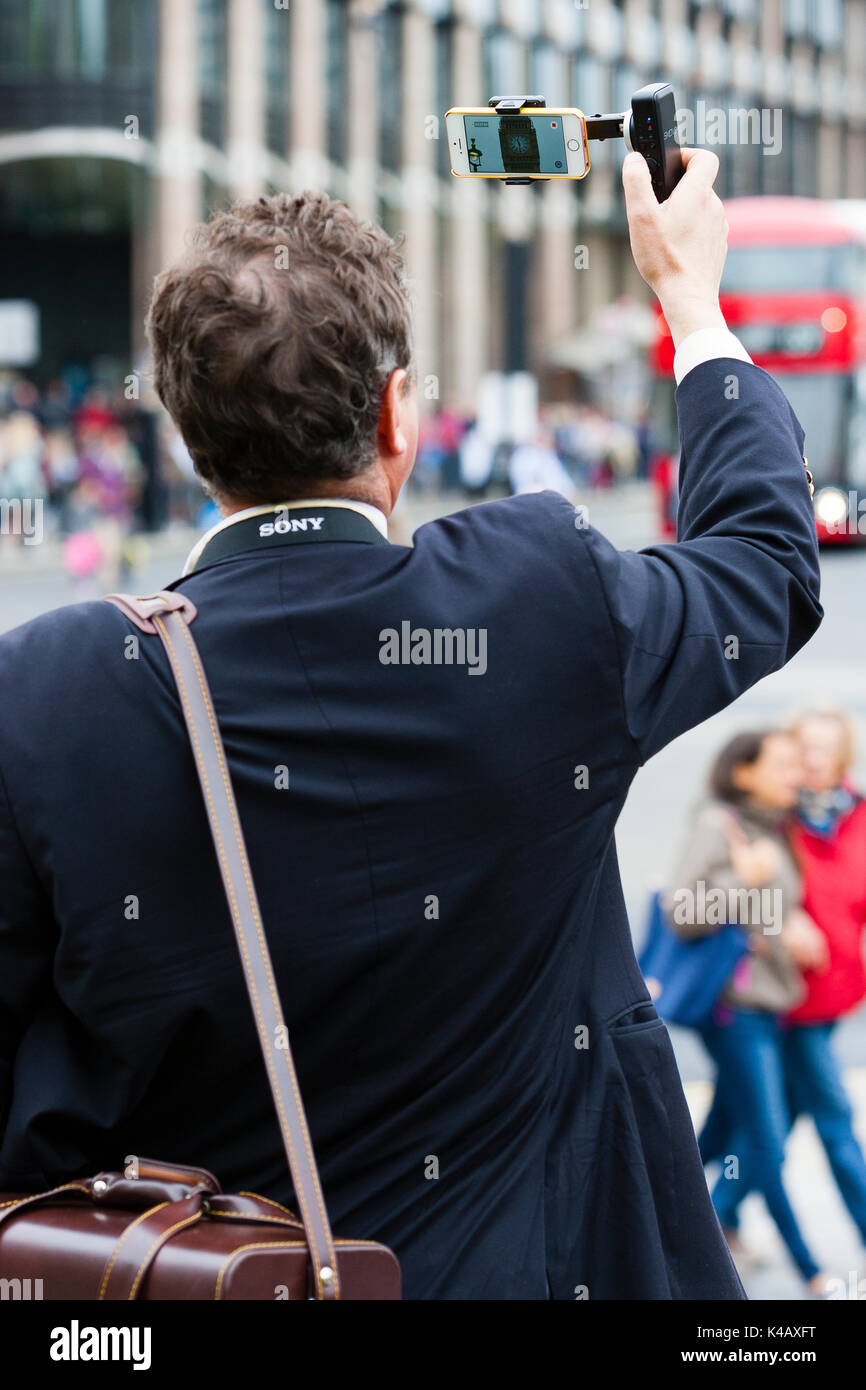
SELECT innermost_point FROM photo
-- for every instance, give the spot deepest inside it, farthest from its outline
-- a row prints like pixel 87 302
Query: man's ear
pixel 392 439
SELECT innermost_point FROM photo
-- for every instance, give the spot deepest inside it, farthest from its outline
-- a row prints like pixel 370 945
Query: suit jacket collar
pixel 372 514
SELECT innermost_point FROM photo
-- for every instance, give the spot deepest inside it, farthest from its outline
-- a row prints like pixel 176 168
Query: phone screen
pixel 515 144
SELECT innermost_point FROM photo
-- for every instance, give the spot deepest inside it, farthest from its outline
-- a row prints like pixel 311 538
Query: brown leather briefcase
pixel 165 1230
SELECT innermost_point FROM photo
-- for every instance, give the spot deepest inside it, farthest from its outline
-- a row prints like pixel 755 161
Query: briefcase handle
pixel 169 616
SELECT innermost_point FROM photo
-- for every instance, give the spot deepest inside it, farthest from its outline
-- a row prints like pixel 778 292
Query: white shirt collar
pixel 378 518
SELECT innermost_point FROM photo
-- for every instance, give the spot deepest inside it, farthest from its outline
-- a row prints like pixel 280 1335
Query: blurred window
pixel 779 268
pixel 507 59
pixel 389 34
pixel 652 38
pixel 76 62
pixel 802 139
pixel 444 40
pixel 212 57
pixel 740 157
pixel 92 37
pixel 627 80
pixel 857 431
pixel 88 38
pixel 278 32
pixel 130 37
pixel 336 40
pixel 796 17
pixel 820 402
pixel 484 12
pixel 527 19
pixel 590 92
pixel 591 85
pixel 545 72
pixel 827 22
pixel 615 25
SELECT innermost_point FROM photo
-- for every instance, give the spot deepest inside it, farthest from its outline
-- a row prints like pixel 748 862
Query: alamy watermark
pixel 736 125
pixel 22 516
pixel 77 1343
pixel 713 907
pixel 438 646
pixel 842 516
pixel 21 1290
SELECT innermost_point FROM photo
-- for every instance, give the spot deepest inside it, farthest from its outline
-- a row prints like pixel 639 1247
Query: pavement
pixel 832 667
pixel 827 1228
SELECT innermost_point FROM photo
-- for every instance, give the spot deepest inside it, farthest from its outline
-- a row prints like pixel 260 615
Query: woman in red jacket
pixel 829 840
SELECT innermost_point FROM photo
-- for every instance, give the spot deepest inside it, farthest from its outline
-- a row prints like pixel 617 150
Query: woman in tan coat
pixel 736 866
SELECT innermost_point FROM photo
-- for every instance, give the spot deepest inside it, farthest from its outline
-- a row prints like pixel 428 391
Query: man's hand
pixel 679 246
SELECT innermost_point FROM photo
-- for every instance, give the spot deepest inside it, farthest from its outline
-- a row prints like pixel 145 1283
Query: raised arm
pixel 700 621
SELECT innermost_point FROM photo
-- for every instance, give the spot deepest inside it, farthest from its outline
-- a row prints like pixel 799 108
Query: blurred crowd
pixel 104 469
pixel 780 841
pixel 83 455
pixel 575 447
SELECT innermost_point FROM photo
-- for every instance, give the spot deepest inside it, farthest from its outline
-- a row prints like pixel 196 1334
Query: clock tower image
pixel 518 143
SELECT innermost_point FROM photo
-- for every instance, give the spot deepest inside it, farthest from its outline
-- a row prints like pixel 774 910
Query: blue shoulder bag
pixel 686 978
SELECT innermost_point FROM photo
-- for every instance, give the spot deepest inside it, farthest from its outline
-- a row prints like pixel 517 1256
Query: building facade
pixel 122 124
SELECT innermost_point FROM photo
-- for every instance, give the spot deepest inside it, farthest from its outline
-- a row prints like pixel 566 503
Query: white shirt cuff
pixel 703 346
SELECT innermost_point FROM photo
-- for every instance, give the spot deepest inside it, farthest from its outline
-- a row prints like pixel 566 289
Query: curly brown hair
pixel 273 340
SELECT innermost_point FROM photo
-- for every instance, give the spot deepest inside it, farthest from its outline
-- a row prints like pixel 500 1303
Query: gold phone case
pixel 528 111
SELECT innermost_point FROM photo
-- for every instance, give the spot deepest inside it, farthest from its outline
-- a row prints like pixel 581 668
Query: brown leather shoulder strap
pixel 170 619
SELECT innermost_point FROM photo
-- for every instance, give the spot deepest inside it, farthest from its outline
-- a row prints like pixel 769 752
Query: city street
pixel 831 668
pixel 257 246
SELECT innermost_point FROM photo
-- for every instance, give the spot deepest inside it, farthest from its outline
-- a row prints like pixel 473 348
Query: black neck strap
pixel 282 525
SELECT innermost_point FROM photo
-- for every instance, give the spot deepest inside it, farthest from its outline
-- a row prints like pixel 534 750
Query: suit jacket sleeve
pixel 27 943
pixel 698 622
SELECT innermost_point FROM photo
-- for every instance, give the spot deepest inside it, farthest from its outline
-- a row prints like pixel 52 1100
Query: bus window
pixel 768 269
pixel 820 401
pixel 857 434
pixel 663 415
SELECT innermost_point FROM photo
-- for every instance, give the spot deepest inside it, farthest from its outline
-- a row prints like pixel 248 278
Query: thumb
pixel 637 185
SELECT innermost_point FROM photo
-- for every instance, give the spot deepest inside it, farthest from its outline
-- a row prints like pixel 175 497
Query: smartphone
pixel 653 134
pixel 535 143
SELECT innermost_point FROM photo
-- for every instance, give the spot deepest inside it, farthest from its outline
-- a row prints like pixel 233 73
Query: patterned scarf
pixel 821 812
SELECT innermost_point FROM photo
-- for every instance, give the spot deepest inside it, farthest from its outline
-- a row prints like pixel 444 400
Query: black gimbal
pixel 650 128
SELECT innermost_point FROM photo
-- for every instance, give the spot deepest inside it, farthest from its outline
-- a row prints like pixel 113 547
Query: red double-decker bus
pixel 794 292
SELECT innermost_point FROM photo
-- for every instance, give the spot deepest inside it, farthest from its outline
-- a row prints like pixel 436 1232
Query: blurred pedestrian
pixel 95 412
pixel 53 408
pixel 644 440
pixel 61 472
pixel 431 455
pixel 828 836
pixel 737 843
pixel 476 461
pixel 21 453
pixel 452 427
pixel 536 467
pixel 109 482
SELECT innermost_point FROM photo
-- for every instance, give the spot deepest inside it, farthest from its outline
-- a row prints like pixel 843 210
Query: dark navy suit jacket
pixel 488 1087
